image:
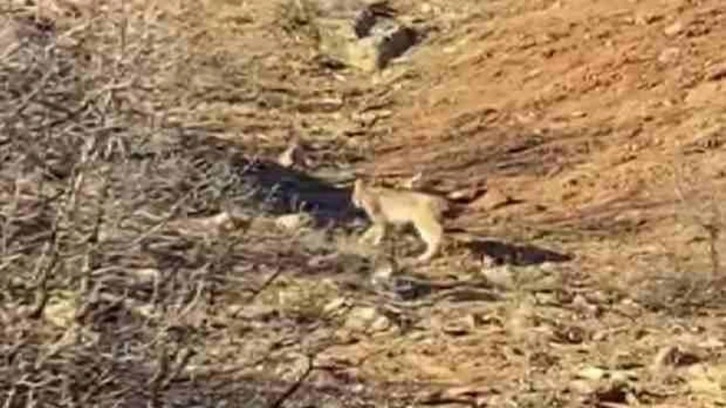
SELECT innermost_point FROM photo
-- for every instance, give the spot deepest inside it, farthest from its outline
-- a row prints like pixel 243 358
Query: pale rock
pixel 669 55
pixel 581 387
pixel 501 276
pixel 383 272
pixel 146 275
pixel 366 319
pixel 592 373
pixel 293 222
pixel 716 72
pixel 335 305
pixel 623 376
pixel 459 327
pixel 369 43
pixel 493 199
pixel 674 29
pixel 207 226
pixel 293 156
pixel 252 312
pixel 61 310
pixel 467 194
pixel 342 8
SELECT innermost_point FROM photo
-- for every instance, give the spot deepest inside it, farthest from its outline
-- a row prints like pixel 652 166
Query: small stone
pixel 146 275
pixel 584 307
pixel 324 105
pixel 293 222
pixel 623 376
pixel 669 55
pixel 463 391
pixel 601 335
pixel 366 319
pixel 502 276
pixel 335 305
pixel 569 334
pixel 459 327
pixel 384 41
pixel 646 18
pixel 467 194
pixel 592 373
pixel 369 118
pixel 673 29
pixel 61 311
pixel 716 72
pixel 294 155
pixel 144 310
pixel 251 312
pixel 383 272
pixel 581 387
pixel 493 199
pixel 340 8
pixel 206 226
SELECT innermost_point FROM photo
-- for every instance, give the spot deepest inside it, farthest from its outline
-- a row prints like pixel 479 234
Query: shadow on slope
pixel 518 255
pixel 265 185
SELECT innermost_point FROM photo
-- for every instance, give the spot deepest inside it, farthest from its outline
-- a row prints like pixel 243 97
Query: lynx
pixel 388 206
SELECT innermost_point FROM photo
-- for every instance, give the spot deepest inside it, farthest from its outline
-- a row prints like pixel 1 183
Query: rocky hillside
pixel 156 252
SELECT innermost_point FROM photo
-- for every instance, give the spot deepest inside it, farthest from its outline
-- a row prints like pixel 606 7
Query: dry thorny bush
pixel 102 303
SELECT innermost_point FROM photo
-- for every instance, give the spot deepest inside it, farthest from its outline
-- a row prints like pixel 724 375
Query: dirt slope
pixel 584 110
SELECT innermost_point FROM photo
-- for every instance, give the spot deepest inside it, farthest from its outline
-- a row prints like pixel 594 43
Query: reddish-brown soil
pixel 588 112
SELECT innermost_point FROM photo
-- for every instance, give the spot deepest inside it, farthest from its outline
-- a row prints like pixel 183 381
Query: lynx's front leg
pixel 375 234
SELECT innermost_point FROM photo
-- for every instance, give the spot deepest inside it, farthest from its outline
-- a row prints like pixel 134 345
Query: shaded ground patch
pixel 519 255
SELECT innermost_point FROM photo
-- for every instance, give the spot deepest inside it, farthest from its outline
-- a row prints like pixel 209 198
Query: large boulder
pixel 363 34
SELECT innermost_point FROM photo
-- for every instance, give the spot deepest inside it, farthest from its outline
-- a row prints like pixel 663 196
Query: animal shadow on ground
pixel 240 179
pixel 517 255
pixel 283 190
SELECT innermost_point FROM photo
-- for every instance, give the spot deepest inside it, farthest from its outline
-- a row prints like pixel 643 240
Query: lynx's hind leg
pixel 431 232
